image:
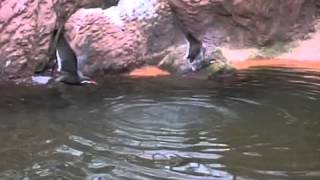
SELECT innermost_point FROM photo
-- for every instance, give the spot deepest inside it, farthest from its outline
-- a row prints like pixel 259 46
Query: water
pixel 258 124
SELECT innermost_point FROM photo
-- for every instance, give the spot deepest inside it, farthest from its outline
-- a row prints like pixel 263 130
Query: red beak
pixel 91 82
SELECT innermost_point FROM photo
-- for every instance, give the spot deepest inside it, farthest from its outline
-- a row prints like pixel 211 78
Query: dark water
pixel 259 124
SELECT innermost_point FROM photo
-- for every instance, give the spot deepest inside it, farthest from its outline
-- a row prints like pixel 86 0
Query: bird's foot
pixel 199 61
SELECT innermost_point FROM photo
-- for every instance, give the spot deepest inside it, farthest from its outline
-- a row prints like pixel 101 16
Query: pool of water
pixel 257 124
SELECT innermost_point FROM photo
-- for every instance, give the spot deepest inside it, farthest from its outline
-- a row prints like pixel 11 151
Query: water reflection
pixel 259 124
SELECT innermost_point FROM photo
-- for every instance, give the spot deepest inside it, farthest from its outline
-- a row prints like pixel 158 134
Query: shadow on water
pixel 259 124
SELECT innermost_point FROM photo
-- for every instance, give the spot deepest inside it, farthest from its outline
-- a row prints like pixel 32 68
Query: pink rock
pixel 123 37
pixel 138 32
pixel 243 22
pixel 26 29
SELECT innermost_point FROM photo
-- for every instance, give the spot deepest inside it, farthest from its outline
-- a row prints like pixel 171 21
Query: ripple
pixel 259 124
pixel 64 149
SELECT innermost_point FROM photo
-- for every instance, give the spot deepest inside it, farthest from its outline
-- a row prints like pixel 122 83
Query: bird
pixel 194 47
pixel 195 52
pixel 69 65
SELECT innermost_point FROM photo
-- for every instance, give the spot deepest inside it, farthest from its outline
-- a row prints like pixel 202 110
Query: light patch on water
pixel 97 163
pixel 82 140
pixel 281 148
pixel 208 144
pixel 273 173
pixel 245 100
pixel 176 153
pixel 290 119
pixel 201 169
pixel 64 149
pixel 99 177
pixel 311 77
pixel 43 172
pixel 41 79
pixel 114 98
pixel 253 154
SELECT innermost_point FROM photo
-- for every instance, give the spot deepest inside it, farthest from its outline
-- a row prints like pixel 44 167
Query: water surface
pixel 258 124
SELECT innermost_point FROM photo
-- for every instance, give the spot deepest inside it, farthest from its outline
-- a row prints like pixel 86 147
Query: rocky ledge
pixel 26 33
pixel 136 33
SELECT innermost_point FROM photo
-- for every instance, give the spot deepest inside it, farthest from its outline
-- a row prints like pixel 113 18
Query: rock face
pixel 245 22
pixel 26 29
pixel 139 32
pixel 131 32
pixel 123 37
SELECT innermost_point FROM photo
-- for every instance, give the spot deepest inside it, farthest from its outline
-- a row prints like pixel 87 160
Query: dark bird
pixel 195 53
pixel 194 47
pixel 69 65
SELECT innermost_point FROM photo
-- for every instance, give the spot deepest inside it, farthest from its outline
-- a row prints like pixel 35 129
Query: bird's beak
pixel 89 82
pixel 93 82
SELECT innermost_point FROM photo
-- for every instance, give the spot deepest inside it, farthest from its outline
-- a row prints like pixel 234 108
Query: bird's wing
pixel 84 53
pixel 66 57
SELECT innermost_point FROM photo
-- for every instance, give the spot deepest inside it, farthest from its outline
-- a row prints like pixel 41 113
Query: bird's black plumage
pixel 68 64
pixel 194 47
pixel 67 59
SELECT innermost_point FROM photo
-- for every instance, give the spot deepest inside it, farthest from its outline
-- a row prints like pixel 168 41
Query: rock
pixel 123 37
pixel 219 65
pixel 141 32
pixel 26 29
pixel 214 65
pixel 245 22
pixel 173 63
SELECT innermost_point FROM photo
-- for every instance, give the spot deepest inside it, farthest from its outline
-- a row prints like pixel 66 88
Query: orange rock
pixel 148 71
pixel 315 65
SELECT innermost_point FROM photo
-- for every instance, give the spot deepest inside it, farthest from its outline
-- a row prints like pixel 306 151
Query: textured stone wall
pixel 26 29
pixel 130 34
pixel 246 22
pixel 123 37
